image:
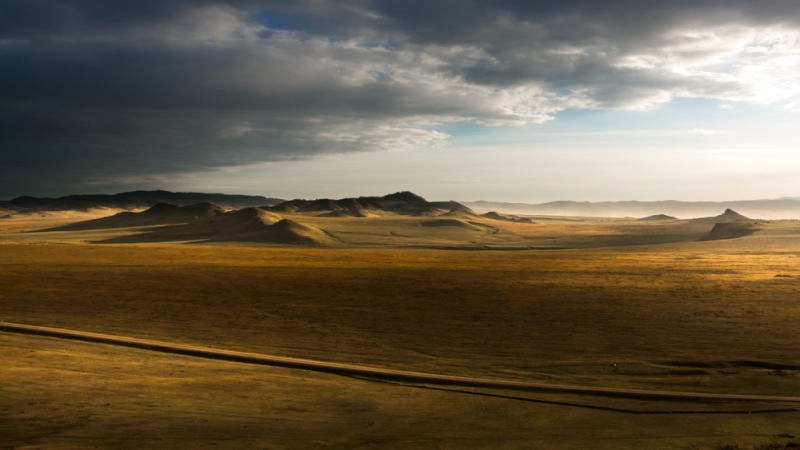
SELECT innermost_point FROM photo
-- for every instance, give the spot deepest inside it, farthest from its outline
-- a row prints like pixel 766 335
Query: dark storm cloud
pixel 97 91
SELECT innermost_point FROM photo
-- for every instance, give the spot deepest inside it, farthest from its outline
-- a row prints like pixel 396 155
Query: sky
pixel 502 100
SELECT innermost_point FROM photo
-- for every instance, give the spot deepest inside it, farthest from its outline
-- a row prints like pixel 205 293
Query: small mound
pixel 731 230
pixel 730 216
pixel 461 213
pixel 242 221
pixel 658 217
pixel 506 218
pixel 294 233
pixel 456 223
pixel 448 223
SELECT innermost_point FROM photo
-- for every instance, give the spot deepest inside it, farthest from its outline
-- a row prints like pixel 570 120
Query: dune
pixel 506 217
pixel 658 217
pixel 245 220
pixel 161 214
pixel 288 232
pixel 68 214
pixel 256 225
pixel 731 230
pixel 244 225
pixel 206 222
pixel 456 223
pixel 462 213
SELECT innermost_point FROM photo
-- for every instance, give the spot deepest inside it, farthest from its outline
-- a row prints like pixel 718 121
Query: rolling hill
pixel 401 203
pixel 132 200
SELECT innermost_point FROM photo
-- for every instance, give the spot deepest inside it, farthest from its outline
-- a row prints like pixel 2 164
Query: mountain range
pixel 133 200
pixel 406 203
pixel 784 208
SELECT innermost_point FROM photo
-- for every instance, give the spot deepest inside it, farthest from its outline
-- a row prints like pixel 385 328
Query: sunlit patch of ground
pixel 718 316
pixel 64 394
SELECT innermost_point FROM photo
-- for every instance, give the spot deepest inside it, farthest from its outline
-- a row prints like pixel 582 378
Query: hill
pixel 507 218
pixel 456 223
pixel 783 208
pixel 133 200
pixel 658 217
pixel 160 214
pixel 348 207
pixel 729 216
pixel 462 213
pixel 731 230
pixel 206 222
pixel 401 203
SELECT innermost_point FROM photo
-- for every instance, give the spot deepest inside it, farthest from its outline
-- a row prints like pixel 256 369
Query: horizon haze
pixel 765 209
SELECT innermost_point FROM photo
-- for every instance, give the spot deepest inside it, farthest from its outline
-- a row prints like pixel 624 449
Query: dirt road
pixel 372 372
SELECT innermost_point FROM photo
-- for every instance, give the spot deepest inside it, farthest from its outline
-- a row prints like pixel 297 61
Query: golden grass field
pixel 677 314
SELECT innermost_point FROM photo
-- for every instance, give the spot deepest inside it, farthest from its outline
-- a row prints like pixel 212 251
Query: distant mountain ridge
pixel 404 203
pixel 134 200
pixel 408 203
pixel 783 208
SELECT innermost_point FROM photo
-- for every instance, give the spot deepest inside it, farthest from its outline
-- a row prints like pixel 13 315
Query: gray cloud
pixel 96 91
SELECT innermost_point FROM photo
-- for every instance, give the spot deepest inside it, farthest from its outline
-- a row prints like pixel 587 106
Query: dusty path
pixel 371 372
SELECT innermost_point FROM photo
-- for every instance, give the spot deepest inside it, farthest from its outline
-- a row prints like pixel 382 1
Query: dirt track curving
pixel 371 372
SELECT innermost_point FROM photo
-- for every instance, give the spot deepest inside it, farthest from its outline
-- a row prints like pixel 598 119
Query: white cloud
pixel 707 132
pixel 793 106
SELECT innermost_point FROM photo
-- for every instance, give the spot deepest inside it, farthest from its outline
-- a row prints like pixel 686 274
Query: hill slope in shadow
pixel 161 214
pixel 399 203
pixel 133 200
pixel 204 222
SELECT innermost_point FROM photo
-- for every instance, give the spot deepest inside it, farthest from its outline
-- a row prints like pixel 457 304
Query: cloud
pixel 707 132
pixel 94 90
pixel 793 106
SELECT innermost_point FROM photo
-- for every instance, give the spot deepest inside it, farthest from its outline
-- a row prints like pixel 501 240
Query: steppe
pixel 662 304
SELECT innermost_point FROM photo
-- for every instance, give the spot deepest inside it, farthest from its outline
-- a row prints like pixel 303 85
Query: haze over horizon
pixel 470 100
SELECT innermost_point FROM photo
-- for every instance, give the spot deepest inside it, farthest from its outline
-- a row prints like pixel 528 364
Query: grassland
pixel 715 316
